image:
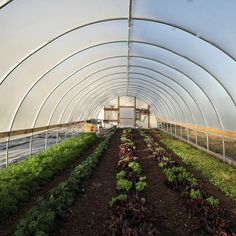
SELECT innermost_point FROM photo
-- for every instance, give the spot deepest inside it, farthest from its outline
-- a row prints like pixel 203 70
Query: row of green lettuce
pixel 19 181
pixel 42 219
pixel 220 174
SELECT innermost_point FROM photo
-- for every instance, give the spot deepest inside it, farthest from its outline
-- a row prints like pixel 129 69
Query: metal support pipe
pixel 30 144
pixel 223 145
pixel 7 152
pixel 207 137
pixel 46 140
pixel 196 136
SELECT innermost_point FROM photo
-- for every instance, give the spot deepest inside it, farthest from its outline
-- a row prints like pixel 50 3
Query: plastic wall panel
pixel 203 104
pixel 219 15
pixel 28 22
pixel 196 73
pixel 93 56
pixel 197 60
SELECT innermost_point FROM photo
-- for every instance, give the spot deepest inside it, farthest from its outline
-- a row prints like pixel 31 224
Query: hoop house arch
pixel 60 63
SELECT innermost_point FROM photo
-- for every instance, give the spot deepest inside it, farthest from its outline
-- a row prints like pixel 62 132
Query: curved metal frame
pixel 162 103
pixel 153 71
pixel 221 124
pixel 153 85
pixel 156 86
pixel 110 81
pixel 96 80
pixel 76 28
pixel 145 99
pixel 92 91
pixel 131 65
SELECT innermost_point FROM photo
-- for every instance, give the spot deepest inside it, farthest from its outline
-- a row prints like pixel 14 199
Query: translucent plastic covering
pixel 61 61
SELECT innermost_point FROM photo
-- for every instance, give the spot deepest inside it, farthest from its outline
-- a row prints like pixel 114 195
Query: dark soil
pixel 226 203
pixel 173 218
pixel 88 214
pixel 9 225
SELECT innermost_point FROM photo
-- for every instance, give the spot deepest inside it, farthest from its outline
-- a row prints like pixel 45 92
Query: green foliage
pixel 220 174
pixel 120 175
pixel 124 184
pixel 135 167
pixel 40 220
pixel 125 139
pixel 178 174
pixel 141 184
pixel 212 201
pixel 119 198
pixel 19 181
pixel 195 194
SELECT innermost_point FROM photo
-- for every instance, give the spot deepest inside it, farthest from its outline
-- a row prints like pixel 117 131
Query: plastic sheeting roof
pixel 61 61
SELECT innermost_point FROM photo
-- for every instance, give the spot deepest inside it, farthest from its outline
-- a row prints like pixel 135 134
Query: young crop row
pixel 220 174
pixel 197 202
pixel 19 181
pixel 41 219
pixel 130 213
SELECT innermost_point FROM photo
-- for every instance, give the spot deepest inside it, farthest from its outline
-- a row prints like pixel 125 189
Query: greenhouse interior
pixel 117 117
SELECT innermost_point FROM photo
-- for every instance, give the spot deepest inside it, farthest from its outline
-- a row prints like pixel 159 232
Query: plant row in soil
pixel 19 182
pixel 42 219
pixel 130 213
pixel 198 203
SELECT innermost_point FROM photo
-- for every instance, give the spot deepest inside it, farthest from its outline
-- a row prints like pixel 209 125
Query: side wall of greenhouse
pixel 220 144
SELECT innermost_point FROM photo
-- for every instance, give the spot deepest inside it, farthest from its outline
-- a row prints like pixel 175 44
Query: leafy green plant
pixel 120 175
pixel 119 198
pixel 124 184
pixel 19 181
pixel 41 220
pixel 141 184
pixel 195 194
pixel 135 167
pixel 212 201
pixel 218 173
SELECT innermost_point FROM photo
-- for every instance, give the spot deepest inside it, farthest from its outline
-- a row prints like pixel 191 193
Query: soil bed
pixel 173 218
pixel 88 214
pixel 226 203
pixel 9 225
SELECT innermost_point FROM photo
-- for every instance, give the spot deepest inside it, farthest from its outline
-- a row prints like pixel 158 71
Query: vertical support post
pixel 181 132
pixel 175 130
pixel 196 141
pixel 149 122
pixel 207 137
pixel 46 140
pixel 7 152
pixel 65 132
pixel 57 134
pixel 187 134
pixel 30 144
pixel 118 118
pixel 134 112
pixel 223 145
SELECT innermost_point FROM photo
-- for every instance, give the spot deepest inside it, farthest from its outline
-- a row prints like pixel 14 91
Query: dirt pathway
pixel 227 204
pixel 87 215
pixel 174 220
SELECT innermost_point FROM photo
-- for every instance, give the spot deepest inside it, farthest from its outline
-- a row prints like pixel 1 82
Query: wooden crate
pixel 89 128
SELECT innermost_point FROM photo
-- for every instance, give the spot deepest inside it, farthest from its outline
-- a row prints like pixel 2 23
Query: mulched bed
pixel 8 226
pixel 227 204
pixel 173 218
pixel 87 215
